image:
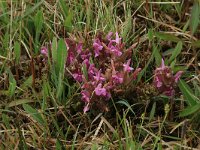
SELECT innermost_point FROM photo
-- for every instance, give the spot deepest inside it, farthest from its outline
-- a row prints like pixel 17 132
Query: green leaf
pixel 152 113
pixel 32 9
pixel 188 94
pixel 124 102
pixel 54 50
pixel 68 22
pixel 17 51
pixel 19 102
pixel 150 34
pixel 167 37
pixel 176 51
pixel 33 113
pixel 58 145
pixel 190 110
pixel 38 22
pixel 12 84
pixel 84 70
pixel 61 56
pixel 64 8
pixel 194 20
pixel 157 56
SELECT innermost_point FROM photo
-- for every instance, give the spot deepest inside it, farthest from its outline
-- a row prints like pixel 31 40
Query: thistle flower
pixel 164 80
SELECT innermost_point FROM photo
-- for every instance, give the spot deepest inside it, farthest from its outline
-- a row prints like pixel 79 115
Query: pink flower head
pixel 99 90
pixel 98 76
pixel 117 40
pixel 86 108
pixel 136 72
pixel 85 96
pixel 44 51
pixel 77 76
pixel 164 80
pixel 79 48
pixel 85 55
pixel 92 70
pixel 127 67
pixel 70 57
pixel 177 76
pixel 109 35
pixel 97 47
pixel 117 79
pixel 114 49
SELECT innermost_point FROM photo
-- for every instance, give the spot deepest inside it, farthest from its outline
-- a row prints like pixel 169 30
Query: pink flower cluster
pixel 110 71
pixel 104 67
pixel 165 81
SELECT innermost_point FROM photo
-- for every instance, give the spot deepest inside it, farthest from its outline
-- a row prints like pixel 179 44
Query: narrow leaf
pixel 167 37
pixel 190 110
pixel 176 51
pixel 188 94
pixel 33 113
pixel 194 20
pixel 17 51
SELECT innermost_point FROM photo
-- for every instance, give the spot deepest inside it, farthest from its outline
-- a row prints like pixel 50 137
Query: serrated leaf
pixel 176 51
pixel 194 20
pixel 167 37
pixel 33 113
pixel 188 94
pixel 190 110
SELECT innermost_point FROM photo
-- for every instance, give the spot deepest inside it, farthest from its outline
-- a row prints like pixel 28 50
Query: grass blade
pixel 34 113
pixel 187 92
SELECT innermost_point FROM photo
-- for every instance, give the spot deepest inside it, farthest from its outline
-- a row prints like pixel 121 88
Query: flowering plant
pixel 100 78
pixel 101 68
pixel 164 80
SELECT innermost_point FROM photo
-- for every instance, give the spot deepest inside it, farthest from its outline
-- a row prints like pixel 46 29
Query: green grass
pixel 41 107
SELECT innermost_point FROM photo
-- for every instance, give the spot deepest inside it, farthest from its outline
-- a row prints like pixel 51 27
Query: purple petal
pixel 44 51
pixel 163 63
pixel 79 48
pixel 97 47
pixel 178 75
pixel 85 96
pixel 108 37
pixel 126 66
pixel 117 40
pixel 100 91
pixel 117 79
pixel 86 108
pixel 98 76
